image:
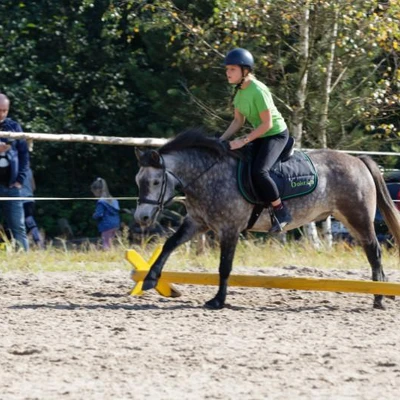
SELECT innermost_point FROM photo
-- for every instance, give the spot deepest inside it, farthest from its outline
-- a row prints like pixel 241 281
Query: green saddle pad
pixel 294 177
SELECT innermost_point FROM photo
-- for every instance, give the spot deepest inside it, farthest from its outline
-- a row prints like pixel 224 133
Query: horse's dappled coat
pixel 349 188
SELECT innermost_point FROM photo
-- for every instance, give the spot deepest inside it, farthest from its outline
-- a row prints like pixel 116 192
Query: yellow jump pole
pixel 315 284
pixel 165 288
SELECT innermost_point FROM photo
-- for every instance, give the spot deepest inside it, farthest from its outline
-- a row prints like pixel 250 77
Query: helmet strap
pixel 237 87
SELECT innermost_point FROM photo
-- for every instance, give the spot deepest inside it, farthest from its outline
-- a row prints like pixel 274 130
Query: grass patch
pixel 251 253
pixel 272 253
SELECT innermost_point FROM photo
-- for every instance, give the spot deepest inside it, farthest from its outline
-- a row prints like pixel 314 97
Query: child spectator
pixel 106 213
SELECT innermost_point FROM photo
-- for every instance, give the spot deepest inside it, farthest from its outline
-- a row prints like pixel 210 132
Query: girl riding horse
pixel 253 101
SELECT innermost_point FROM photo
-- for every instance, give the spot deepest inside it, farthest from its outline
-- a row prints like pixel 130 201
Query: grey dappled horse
pixel 349 188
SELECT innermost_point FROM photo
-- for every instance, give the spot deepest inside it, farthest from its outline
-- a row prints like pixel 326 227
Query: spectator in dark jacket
pixel 14 158
pixel 106 213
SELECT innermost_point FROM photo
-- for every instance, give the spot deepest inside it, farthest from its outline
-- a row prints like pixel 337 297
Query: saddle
pixel 294 174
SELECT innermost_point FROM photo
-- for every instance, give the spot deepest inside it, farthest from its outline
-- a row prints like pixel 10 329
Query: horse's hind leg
pixel 363 229
pixel 374 255
pixel 228 242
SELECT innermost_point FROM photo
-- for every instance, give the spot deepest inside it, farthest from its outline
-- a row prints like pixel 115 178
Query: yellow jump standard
pixel 166 288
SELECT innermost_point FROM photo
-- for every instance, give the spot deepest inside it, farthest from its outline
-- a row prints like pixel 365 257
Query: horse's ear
pixel 149 158
pixel 155 158
pixel 139 153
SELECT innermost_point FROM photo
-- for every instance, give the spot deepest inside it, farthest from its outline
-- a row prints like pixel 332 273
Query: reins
pixel 198 176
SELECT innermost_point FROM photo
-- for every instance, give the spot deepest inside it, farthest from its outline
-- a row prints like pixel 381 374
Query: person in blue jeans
pixel 14 159
pixel 106 213
pixel 27 190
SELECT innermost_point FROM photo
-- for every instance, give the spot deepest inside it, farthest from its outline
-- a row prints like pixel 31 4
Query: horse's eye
pixel 156 183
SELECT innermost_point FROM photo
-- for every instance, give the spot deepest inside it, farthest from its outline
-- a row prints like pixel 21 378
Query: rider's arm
pixel 235 125
pixel 264 127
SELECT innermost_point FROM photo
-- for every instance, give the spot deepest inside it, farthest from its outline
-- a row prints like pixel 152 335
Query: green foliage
pixel 153 68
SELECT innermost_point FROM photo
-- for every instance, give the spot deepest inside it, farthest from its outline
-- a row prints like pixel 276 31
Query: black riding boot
pixel 281 218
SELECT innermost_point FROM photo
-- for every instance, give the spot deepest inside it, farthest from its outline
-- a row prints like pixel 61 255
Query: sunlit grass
pixel 250 253
pixel 272 253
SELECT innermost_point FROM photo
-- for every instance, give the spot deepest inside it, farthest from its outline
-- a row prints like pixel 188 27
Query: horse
pixel 203 168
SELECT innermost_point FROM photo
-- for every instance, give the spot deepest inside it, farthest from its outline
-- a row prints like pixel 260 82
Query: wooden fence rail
pixel 82 138
pixel 128 141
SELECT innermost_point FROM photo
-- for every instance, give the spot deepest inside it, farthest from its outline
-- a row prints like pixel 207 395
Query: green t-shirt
pixel 255 99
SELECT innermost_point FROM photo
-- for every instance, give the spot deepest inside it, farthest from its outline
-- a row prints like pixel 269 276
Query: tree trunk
pixel 310 230
pixel 323 120
pixel 301 91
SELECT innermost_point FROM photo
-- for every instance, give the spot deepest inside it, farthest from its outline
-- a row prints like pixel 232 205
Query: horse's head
pixel 156 186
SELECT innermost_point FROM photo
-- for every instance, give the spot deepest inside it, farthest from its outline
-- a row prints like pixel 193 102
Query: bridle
pixel 161 201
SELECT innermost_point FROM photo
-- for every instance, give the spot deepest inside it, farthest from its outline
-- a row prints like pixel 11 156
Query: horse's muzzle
pixel 145 215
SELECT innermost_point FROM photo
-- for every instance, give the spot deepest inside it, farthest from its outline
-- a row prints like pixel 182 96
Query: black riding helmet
pixel 240 57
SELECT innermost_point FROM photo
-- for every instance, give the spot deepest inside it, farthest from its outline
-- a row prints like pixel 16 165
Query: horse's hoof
pixel 379 306
pixel 149 284
pixel 214 304
pixel 391 297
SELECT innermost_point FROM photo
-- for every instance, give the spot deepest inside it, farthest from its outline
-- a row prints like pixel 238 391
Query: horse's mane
pixel 195 138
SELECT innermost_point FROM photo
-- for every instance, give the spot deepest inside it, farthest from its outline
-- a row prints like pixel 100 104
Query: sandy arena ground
pixel 80 336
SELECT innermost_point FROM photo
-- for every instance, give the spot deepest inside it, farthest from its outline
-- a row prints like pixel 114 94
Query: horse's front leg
pixel 185 232
pixel 228 244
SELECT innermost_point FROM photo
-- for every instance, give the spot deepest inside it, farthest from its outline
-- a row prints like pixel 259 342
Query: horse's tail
pixel 385 202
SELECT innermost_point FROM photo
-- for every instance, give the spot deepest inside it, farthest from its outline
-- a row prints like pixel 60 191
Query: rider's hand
pixel 237 144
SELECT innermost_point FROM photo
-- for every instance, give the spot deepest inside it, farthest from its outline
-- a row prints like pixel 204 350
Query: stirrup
pixel 275 225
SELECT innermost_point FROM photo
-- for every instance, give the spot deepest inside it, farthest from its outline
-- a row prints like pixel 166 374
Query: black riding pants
pixel 267 151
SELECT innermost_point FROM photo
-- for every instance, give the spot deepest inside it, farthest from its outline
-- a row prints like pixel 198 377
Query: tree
pixel 154 67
